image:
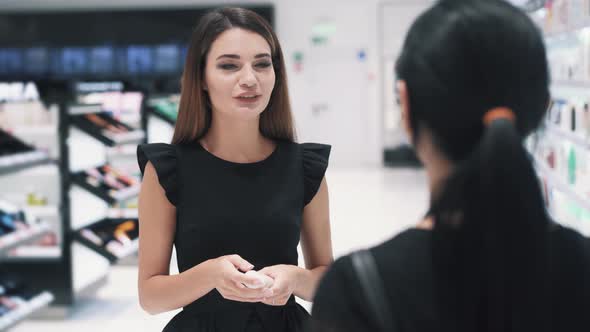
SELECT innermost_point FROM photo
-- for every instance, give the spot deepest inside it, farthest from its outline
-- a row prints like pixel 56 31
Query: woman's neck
pixel 237 140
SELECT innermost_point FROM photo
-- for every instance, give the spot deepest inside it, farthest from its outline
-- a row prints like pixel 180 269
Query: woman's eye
pixel 227 66
pixel 264 65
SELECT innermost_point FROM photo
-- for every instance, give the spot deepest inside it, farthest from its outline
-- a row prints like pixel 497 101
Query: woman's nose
pixel 248 78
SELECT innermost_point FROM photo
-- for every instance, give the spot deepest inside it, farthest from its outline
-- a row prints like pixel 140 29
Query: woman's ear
pixel 404 105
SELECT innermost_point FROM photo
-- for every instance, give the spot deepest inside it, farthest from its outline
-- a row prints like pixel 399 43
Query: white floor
pixel 367 206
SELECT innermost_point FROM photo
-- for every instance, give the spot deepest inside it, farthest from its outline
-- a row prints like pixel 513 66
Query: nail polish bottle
pixel 586 119
pixel 571 167
pixel 573 119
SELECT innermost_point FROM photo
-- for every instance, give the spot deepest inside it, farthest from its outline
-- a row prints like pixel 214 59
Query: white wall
pixel 356 23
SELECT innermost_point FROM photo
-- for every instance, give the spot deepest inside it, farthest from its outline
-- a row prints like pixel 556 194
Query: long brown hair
pixel 194 116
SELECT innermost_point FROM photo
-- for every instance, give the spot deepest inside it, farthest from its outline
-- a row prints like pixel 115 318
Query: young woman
pixel 233 192
pixel 473 83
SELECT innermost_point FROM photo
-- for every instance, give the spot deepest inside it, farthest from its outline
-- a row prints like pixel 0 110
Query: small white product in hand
pixel 264 280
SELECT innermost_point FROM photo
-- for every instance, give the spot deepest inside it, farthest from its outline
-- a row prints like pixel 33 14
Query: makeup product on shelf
pixel 571 166
pixel 114 124
pixel 573 119
pixel 12 222
pixel 565 117
pixel 551 159
pixel 110 179
pixel 35 198
pixel 100 122
pixel 126 180
pixel 586 121
pixel 90 235
pixel 121 231
pixel 555 113
pixel 8 302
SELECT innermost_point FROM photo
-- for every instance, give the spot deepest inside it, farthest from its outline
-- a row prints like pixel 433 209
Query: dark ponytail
pixel 461 59
pixel 490 239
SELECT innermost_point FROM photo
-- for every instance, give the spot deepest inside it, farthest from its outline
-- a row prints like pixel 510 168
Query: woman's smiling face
pixel 239 74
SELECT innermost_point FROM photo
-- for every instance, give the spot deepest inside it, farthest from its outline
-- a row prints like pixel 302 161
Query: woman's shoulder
pixel 404 247
pixel 398 250
pixel 340 298
pixel 164 159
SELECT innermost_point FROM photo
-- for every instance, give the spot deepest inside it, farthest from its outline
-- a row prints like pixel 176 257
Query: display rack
pixel 562 146
pixel 56 274
pixel 554 182
pixel 25 157
pixel 98 185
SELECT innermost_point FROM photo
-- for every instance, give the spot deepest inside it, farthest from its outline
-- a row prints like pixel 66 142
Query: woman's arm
pixel 316 243
pixel 158 290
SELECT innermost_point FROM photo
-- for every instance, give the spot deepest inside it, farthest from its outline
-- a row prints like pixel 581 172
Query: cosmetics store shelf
pixel 34 255
pixel 564 31
pixel 42 211
pixel 162 116
pixel 112 197
pixel 77 109
pixel 22 237
pixel 554 182
pixel 108 138
pixel 93 237
pixel 45 130
pixel 22 161
pixel 571 84
pixel 26 309
pixel 569 136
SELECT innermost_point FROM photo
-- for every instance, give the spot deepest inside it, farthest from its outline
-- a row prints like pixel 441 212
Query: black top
pixel 405 265
pixel 250 209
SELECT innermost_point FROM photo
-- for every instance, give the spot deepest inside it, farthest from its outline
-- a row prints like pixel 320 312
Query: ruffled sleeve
pixel 315 162
pixel 164 159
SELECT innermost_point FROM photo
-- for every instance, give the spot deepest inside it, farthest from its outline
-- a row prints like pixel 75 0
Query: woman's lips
pixel 248 100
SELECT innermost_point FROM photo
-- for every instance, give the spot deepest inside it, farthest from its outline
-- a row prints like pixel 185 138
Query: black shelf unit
pixel 24 165
pixel 9 165
pixel 69 117
pixel 56 273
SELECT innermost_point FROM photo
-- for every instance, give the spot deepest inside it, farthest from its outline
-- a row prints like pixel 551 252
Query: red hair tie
pixel 498 113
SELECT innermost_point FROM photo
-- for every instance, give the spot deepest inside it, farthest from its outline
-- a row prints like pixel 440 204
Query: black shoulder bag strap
pixel 365 268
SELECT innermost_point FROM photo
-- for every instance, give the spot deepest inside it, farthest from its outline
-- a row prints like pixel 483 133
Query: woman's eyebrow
pixel 235 56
